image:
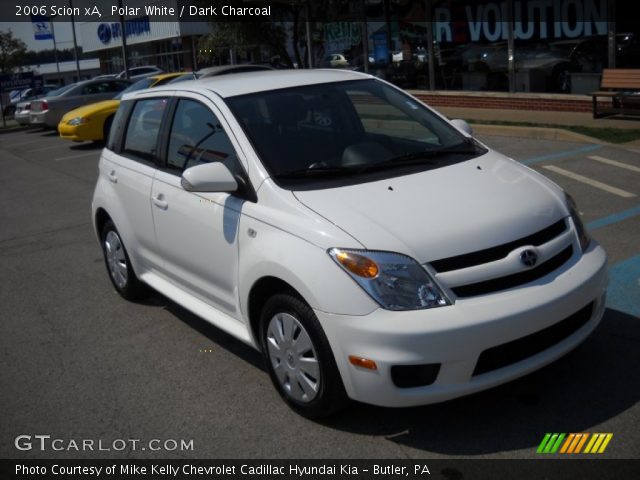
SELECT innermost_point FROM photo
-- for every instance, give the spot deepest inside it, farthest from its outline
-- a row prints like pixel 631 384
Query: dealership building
pixel 510 46
pixel 151 40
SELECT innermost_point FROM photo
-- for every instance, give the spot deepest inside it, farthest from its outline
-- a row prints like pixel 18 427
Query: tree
pixel 251 36
pixel 247 36
pixel 12 51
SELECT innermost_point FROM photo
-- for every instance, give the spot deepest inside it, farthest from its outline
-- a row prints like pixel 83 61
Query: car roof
pixel 251 82
pixel 162 76
pixel 210 71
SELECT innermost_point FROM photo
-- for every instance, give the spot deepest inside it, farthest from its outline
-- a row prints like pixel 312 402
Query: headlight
pixel 77 121
pixel 395 281
pixel 583 236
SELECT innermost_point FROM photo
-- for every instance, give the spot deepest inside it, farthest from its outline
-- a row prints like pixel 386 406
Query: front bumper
pixel 79 133
pixel 455 336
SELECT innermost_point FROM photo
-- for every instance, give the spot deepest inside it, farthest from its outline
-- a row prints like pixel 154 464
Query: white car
pixel 336 60
pixel 370 248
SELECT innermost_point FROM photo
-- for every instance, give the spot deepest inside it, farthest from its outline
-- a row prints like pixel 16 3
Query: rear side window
pixel 144 126
pixel 118 125
pixel 197 137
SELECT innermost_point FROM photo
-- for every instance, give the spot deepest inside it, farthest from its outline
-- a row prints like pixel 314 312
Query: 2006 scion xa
pixel 367 246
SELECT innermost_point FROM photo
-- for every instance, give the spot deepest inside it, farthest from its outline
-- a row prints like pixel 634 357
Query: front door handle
pixel 112 176
pixel 160 202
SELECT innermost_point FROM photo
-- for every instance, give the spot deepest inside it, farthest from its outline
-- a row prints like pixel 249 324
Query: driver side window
pixel 197 137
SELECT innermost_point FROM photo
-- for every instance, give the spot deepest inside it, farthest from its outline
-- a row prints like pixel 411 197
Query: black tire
pixel 132 288
pixel 331 396
pixel 107 128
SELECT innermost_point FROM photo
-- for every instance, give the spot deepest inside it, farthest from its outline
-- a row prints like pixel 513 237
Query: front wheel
pixel 299 358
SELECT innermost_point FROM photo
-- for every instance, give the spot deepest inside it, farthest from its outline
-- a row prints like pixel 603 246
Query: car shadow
pixel 593 383
pixel 219 337
pixel 86 146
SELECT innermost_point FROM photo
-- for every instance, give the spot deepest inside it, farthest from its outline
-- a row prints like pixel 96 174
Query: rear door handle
pixel 112 176
pixel 159 201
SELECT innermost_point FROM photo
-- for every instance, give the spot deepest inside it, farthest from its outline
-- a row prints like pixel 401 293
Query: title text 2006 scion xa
pixel 370 248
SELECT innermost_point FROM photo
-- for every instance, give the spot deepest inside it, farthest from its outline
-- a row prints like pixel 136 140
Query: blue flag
pixel 41 27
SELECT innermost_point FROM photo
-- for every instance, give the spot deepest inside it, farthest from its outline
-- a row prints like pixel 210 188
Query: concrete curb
pixel 536 133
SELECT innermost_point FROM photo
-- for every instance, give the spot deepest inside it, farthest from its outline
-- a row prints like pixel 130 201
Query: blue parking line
pixel 556 155
pixel 624 286
pixel 614 218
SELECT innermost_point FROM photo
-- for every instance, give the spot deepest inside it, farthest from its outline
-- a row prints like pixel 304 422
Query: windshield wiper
pixel 319 172
pixel 423 157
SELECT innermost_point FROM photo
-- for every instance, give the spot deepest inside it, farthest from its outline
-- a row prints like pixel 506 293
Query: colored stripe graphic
pixel 573 443
pixel 543 443
pixel 551 443
pixel 581 442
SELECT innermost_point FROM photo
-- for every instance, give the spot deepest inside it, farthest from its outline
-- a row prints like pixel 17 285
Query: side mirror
pixel 209 177
pixel 462 125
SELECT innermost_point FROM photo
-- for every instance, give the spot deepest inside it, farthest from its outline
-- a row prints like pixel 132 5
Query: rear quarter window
pixel 118 126
pixel 141 136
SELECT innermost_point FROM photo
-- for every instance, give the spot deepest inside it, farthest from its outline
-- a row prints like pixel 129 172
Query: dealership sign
pixel 538 19
pixel 108 32
pixel 18 81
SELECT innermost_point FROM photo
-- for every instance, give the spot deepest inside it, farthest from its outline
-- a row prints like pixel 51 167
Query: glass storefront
pixel 552 46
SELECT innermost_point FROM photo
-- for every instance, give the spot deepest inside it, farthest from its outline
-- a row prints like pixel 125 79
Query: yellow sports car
pixel 93 122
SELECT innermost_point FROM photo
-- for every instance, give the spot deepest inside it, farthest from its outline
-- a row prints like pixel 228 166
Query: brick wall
pixel 506 102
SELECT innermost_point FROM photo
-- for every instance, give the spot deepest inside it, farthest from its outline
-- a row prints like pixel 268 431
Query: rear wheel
pixel 118 264
pixel 299 358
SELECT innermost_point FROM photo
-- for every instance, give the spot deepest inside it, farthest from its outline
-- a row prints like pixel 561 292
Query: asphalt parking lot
pixel 78 362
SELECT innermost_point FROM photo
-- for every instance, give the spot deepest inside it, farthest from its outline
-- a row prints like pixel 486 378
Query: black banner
pixel 549 469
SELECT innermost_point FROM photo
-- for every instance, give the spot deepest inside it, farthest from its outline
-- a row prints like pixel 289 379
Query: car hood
pixel 92 109
pixel 468 206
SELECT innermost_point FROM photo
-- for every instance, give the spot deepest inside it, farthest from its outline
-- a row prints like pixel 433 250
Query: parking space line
pixel 31 142
pixel 78 155
pixel 623 293
pixel 615 163
pixel 590 181
pixel 566 153
pixel 614 218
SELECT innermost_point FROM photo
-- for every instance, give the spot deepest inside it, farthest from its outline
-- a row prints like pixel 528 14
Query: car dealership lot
pixel 78 362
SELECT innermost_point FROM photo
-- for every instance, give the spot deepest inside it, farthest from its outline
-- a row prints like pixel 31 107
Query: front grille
pixel 516 279
pixel 496 253
pixel 517 350
pixel 409 376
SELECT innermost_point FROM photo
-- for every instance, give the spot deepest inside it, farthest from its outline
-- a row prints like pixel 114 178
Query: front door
pixel 197 233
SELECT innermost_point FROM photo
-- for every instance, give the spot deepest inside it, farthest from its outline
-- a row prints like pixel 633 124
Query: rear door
pixel 129 164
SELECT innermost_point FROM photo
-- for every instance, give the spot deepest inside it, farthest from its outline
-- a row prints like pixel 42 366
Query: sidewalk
pixel 477 117
pixel 11 125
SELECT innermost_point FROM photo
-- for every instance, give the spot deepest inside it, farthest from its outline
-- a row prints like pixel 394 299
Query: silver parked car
pixel 48 111
pixel 22 113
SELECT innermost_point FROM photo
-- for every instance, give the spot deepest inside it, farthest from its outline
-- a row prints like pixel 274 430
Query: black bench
pixel 622 86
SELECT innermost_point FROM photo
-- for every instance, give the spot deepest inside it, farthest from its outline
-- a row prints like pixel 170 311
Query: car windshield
pixel 60 91
pixel 139 85
pixel 347 129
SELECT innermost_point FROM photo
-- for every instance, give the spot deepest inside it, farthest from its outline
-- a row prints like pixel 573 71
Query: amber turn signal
pixel 358 264
pixel 363 362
